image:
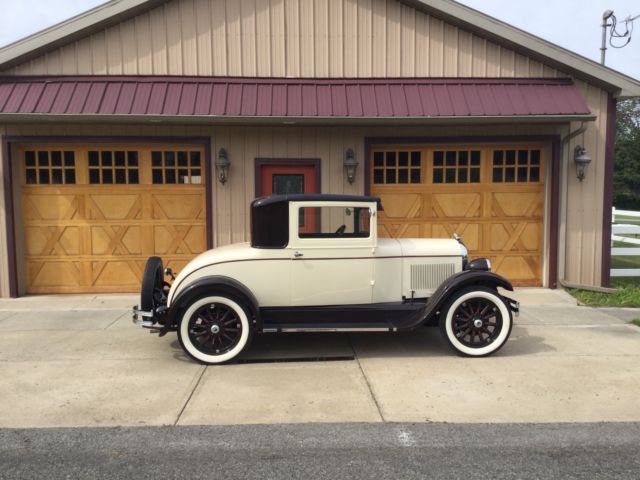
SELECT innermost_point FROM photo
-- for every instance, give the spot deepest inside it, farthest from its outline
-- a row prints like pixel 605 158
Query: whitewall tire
pixel 476 321
pixel 214 329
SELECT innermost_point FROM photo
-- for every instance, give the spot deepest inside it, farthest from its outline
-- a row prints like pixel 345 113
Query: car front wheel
pixel 476 321
pixel 214 329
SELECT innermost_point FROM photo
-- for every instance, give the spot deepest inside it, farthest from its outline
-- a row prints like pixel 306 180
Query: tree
pixel 626 173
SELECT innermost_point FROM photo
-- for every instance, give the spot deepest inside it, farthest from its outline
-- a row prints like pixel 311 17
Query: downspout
pixel 563 219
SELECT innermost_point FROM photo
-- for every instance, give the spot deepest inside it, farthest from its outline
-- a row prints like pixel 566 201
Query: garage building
pixel 146 127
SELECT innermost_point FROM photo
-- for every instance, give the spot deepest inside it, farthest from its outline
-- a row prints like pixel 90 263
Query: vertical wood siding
pixel 585 199
pixel 280 38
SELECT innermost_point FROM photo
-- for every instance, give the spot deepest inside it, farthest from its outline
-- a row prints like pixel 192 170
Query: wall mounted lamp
pixel 222 166
pixel 582 160
pixel 350 165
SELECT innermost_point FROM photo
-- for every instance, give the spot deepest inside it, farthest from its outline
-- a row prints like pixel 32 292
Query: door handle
pixel 298 254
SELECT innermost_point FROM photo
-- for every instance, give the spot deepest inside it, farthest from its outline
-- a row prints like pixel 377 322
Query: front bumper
pixel 513 305
pixel 150 318
pixel 143 318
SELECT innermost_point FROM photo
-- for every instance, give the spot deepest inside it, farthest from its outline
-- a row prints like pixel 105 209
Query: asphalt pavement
pixel 332 451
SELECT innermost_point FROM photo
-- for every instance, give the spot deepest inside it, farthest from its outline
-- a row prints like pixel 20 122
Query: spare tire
pixel 152 281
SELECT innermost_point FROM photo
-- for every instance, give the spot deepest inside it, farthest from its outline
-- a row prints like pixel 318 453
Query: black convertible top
pixel 314 197
pixel 270 215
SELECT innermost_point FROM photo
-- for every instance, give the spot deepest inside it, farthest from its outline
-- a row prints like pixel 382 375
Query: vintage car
pixel 315 264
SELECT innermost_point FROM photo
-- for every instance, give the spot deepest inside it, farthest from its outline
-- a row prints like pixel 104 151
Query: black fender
pixel 215 284
pixel 460 280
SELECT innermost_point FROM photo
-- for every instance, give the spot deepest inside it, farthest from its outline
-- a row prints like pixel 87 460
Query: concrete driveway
pixel 78 361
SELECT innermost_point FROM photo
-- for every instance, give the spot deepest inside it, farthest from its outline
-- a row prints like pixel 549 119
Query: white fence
pixel 629 235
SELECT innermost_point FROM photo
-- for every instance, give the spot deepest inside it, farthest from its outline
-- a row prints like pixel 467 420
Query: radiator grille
pixel 428 277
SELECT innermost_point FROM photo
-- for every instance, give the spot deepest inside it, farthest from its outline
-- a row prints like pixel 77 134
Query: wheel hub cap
pixel 215 329
pixel 478 323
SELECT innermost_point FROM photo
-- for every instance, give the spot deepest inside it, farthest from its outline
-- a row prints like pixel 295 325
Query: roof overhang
pixel 275 100
pixel 546 52
pixel 72 29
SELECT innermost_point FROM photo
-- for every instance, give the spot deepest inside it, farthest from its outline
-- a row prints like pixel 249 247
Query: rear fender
pixel 464 279
pixel 214 285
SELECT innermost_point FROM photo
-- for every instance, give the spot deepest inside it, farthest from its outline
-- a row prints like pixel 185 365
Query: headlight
pixel 483 264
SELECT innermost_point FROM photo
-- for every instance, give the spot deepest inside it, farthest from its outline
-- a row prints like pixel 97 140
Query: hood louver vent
pixel 427 277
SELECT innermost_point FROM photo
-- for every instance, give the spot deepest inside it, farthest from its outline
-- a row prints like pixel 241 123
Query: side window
pixel 334 222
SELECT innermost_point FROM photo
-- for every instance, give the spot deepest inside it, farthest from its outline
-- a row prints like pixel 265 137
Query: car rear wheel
pixel 214 329
pixel 476 321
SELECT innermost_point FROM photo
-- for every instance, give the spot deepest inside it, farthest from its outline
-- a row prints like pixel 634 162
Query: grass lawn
pixel 627 294
pixel 636 322
pixel 631 220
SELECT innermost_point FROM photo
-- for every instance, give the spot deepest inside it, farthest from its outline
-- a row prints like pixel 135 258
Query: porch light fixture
pixel 222 166
pixel 582 160
pixel 350 165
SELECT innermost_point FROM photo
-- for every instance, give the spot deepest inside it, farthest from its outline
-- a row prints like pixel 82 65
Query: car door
pixel 331 247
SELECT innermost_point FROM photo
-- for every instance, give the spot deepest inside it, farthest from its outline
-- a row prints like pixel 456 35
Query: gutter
pixel 290 120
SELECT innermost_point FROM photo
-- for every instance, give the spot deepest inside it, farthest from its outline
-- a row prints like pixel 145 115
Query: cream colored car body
pixel 330 271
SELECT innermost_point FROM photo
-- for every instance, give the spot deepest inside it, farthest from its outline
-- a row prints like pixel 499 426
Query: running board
pixel 326 329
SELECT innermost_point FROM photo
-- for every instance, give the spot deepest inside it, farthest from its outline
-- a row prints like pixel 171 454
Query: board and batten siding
pixel 585 200
pixel 285 38
pixel 244 144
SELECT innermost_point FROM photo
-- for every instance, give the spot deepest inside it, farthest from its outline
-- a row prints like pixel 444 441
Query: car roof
pixel 316 197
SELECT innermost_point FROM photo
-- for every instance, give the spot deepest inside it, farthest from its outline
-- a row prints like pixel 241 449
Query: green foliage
pixel 626 176
pixel 626 295
pixel 636 322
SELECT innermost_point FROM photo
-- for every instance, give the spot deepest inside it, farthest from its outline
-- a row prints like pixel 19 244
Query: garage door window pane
pixel 32 177
pixel 43 159
pixel 43 177
pixel 107 167
pixel 120 159
pixel 69 176
pixel 456 166
pixel 516 166
pixel 49 167
pixel 30 159
pixel 56 176
pixel 176 167
pixel 56 159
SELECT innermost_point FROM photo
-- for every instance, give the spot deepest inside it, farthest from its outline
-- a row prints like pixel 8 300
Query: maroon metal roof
pixel 276 97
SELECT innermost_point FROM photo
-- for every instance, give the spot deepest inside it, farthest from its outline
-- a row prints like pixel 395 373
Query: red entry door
pixel 289 179
pixel 285 179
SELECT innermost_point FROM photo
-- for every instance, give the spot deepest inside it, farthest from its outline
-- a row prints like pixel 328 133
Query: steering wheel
pixel 340 230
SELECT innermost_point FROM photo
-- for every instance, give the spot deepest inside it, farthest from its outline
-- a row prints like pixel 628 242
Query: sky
pixel 572 24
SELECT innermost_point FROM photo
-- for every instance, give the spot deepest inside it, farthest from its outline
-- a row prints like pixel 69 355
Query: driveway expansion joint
pixel 193 391
pixel 364 376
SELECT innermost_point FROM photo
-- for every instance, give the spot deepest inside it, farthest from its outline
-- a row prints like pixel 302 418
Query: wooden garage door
pixel 493 196
pixel 93 215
